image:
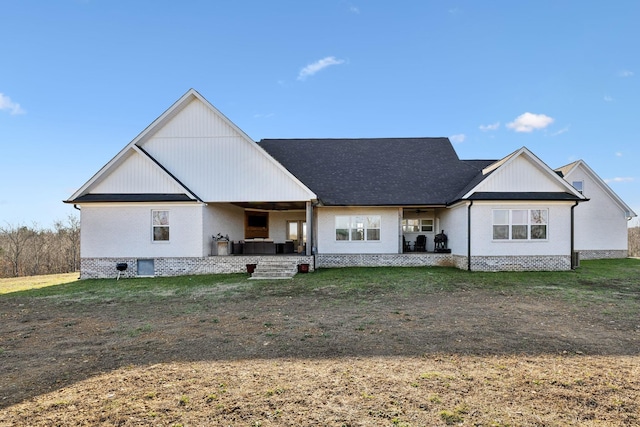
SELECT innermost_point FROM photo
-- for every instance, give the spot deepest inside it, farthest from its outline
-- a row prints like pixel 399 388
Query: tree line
pixel 32 250
pixel 634 241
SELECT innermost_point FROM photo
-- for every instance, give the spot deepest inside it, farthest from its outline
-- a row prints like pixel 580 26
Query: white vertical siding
pixel 137 174
pixel 600 223
pixel 522 174
pixel 390 231
pixel 218 163
pixel 119 230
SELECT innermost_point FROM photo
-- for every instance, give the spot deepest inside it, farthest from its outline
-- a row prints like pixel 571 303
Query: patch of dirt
pixel 469 357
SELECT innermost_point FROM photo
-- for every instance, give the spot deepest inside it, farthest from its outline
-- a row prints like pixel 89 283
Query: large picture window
pixel 520 224
pixel 358 227
pixel 160 226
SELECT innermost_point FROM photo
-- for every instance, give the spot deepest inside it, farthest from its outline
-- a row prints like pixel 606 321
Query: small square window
pixel 578 185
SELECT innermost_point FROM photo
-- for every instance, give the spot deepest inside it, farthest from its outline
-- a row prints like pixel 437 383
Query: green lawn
pixel 615 279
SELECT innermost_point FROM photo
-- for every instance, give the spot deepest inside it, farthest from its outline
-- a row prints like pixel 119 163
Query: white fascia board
pixel 311 194
pixel 190 96
pixel 112 164
pixel 605 187
pixel 177 106
pixel 116 161
pixel 495 165
pixel 524 151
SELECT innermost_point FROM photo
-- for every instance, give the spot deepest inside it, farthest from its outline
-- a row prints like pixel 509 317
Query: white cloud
pixel 529 122
pixel 493 126
pixel 618 154
pixel 608 98
pixel 313 68
pixel 619 179
pixel 457 138
pixel 625 73
pixel 6 104
pixel 354 9
pixel 263 115
pixel 561 131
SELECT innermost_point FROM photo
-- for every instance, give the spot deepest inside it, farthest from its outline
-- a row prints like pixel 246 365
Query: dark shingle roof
pixel 377 171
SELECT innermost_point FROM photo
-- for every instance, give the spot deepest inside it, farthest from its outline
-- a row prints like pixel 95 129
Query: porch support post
pixel 310 236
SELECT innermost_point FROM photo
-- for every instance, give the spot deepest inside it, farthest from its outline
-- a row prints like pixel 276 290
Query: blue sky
pixel 79 79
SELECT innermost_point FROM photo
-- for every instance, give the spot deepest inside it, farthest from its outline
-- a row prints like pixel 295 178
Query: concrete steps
pixel 275 269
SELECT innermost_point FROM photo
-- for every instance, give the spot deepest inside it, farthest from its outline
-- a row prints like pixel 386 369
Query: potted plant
pixel 303 268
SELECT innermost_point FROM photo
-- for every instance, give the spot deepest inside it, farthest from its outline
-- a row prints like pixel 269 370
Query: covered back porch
pixel 260 228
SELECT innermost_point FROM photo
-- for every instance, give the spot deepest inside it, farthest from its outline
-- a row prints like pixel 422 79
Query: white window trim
pixel 153 227
pixel 418 223
pixel 510 224
pixel 581 181
pixel 365 229
pixel 422 224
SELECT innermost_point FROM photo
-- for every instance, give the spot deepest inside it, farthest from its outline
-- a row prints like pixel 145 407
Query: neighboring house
pixel 192 175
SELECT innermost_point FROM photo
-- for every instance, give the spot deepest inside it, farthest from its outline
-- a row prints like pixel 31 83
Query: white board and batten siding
pixel 125 230
pixel 389 231
pixel 217 162
pixel 136 173
pixel 522 174
pixel 601 223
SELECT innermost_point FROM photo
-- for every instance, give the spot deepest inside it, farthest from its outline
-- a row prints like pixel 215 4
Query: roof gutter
pixel 573 263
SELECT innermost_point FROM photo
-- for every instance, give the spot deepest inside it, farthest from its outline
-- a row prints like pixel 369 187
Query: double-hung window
pixel 520 224
pixel 358 227
pixel 160 226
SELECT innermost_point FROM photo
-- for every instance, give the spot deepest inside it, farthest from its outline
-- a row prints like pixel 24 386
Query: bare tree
pixel 33 250
pixel 14 244
pixel 69 236
pixel 634 241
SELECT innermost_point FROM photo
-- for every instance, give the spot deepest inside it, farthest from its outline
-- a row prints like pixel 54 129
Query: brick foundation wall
pixel 103 268
pixel 521 263
pixel 390 260
pixel 99 268
pixel 603 254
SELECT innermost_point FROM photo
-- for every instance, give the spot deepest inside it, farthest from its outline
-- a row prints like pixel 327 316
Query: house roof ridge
pixel 358 138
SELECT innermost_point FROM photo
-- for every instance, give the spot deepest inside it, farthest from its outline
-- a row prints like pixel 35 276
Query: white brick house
pixel 192 174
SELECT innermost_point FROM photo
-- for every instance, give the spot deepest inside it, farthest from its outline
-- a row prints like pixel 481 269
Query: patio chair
pixel 406 246
pixel 421 243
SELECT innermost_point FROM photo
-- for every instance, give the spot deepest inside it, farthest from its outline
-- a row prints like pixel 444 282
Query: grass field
pixel 338 347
